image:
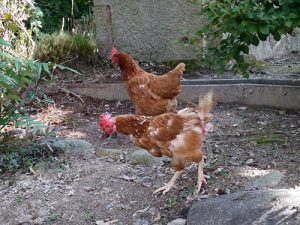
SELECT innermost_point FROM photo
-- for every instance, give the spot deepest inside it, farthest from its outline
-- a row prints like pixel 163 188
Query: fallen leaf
pixel 125 177
pixel 141 210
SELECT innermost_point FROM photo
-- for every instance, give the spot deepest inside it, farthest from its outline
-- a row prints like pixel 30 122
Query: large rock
pixel 109 152
pixel 260 207
pixel 143 157
pixel 74 147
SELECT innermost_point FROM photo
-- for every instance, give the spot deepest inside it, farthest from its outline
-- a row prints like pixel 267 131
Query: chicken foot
pixel 201 176
pixel 167 187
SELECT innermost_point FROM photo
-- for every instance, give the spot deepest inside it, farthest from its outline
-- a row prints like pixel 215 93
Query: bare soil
pixel 247 142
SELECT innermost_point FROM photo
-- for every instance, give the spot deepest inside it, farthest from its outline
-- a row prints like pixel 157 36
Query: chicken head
pixel 114 58
pixel 107 123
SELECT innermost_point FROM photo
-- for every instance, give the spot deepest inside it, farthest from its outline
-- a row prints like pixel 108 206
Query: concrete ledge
pixel 279 96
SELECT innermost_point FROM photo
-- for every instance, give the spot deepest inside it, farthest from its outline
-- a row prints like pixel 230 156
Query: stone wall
pixel 148 29
pixel 271 48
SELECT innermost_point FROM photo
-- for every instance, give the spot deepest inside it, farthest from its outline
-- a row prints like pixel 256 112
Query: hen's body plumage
pixel 151 94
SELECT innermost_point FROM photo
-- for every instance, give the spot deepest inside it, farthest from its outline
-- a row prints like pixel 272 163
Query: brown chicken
pixel 178 136
pixel 151 94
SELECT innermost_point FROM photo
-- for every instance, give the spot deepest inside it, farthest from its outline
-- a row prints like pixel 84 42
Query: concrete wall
pixel 147 29
pixel 287 97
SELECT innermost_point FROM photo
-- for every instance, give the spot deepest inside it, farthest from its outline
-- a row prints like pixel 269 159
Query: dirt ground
pixel 247 142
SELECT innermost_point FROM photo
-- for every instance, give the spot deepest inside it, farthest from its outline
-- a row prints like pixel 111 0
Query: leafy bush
pixel 20 25
pixel 62 47
pixel 15 74
pixel 230 27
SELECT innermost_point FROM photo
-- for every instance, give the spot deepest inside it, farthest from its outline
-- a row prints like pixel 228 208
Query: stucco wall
pixel 148 29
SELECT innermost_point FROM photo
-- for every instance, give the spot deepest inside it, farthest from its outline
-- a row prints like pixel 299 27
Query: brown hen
pixel 151 94
pixel 178 136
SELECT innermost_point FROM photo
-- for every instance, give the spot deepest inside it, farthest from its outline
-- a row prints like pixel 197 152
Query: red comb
pixel 113 52
pixel 104 119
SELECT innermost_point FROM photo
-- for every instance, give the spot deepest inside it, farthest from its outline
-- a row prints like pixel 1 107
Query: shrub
pixel 15 74
pixel 231 27
pixel 16 154
pixel 62 47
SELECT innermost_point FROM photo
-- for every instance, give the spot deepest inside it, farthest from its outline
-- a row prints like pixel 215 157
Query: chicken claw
pixel 201 180
pixel 201 176
pixel 167 187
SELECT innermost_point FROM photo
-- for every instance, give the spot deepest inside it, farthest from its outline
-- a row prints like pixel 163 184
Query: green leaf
pixel 4 43
pixel 244 49
pixel 250 27
pixel 30 63
pixel 38 68
pixel 255 40
pixel 264 29
pixel 46 67
pixel 262 37
pixel 13 27
pixel 7 80
pixel 289 23
pixel 13 97
pixel 18 65
pixel 67 68
pixel 276 36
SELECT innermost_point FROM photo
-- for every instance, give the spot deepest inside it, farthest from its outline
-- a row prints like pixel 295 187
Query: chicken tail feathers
pixel 180 67
pixel 207 102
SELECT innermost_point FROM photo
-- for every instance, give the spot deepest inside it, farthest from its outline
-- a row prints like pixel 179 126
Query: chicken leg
pixel 167 187
pixel 201 176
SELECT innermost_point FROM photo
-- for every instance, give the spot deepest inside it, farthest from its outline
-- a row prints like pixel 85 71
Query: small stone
pixel 38 221
pixel 118 104
pixel 178 221
pixel 146 181
pixel 281 112
pixel 221 191
pixel 71 193
pixel 101 222
pixel 249 161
